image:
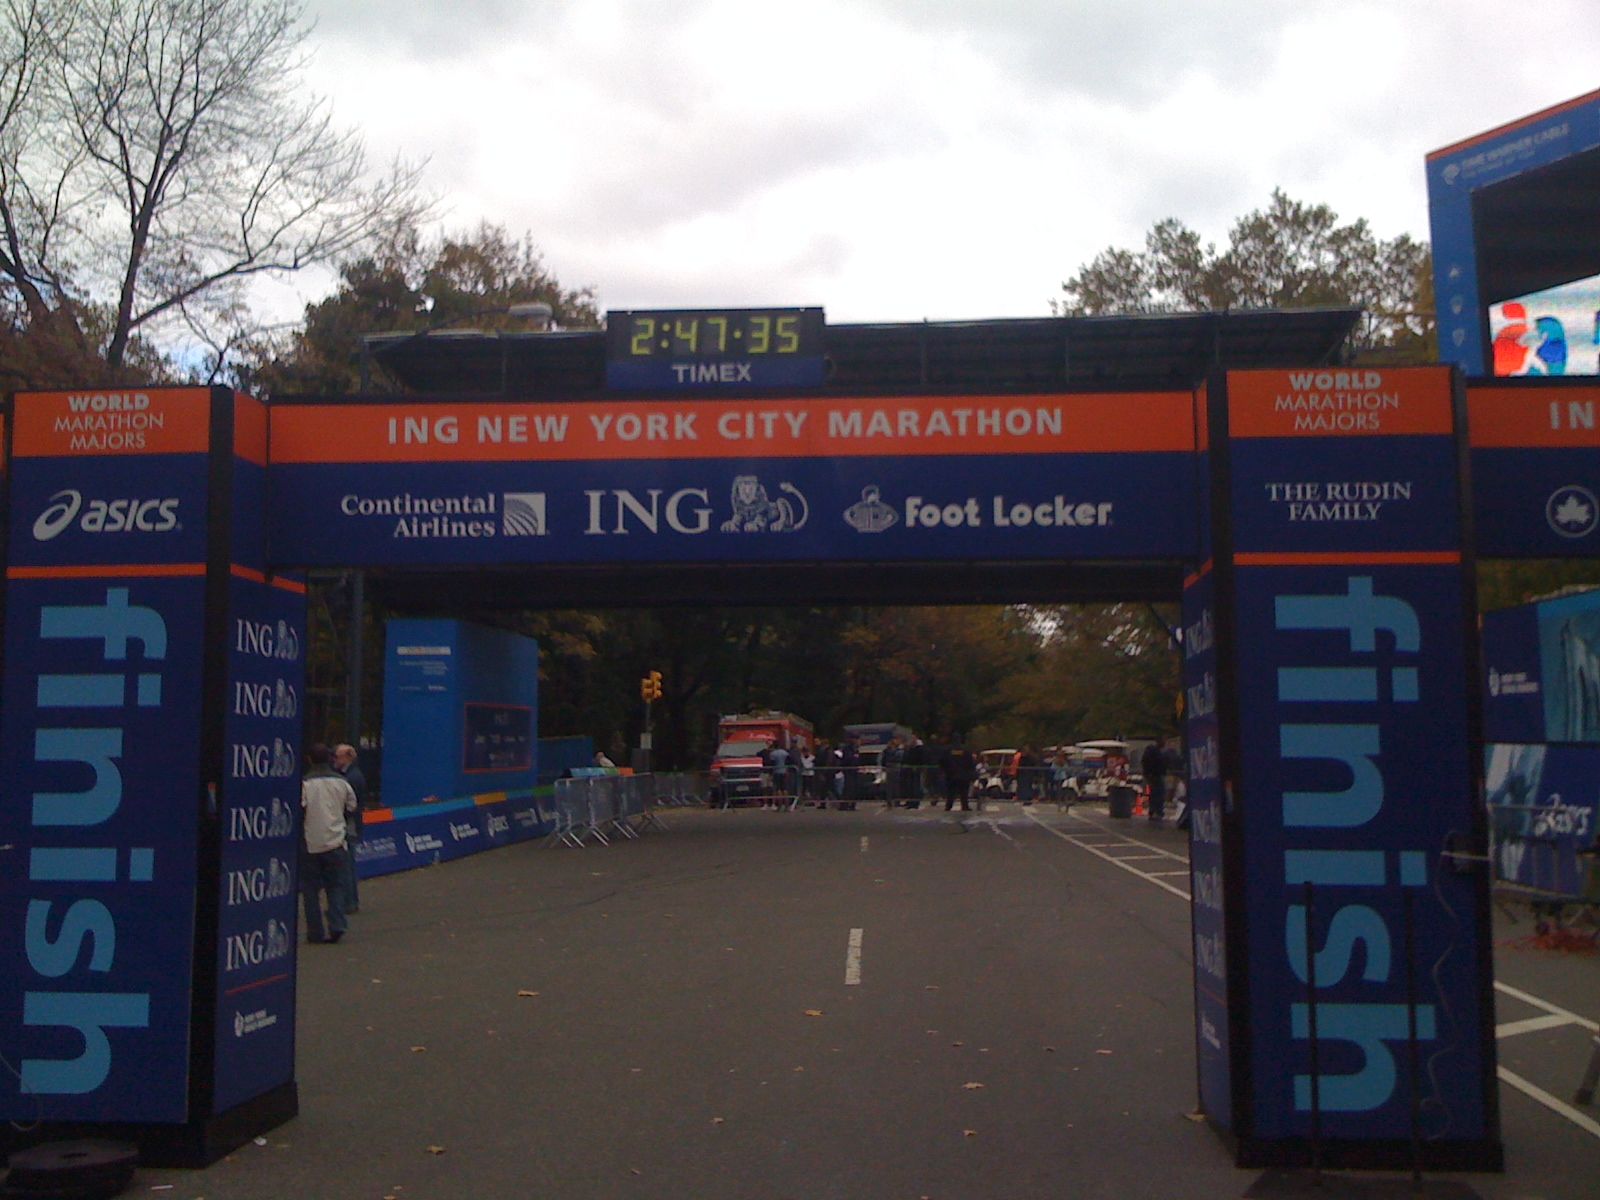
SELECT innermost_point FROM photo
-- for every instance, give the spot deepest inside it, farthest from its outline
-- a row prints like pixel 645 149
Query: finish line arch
pixel 1318 520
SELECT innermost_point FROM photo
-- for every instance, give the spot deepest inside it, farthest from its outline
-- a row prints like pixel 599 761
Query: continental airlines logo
pixel 104 516
pixel 472 515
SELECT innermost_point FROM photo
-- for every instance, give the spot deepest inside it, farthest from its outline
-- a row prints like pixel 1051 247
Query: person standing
pixel 1028 772
pixel 894 754
pixel 850 772
pixel 344 762
pixel 1153 766
pixel 776 761
pixel 326 799
pixel 960 769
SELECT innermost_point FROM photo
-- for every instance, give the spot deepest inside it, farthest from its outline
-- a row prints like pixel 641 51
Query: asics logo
pixel 104 516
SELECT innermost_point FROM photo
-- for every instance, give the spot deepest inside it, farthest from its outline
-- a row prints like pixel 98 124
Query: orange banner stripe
pixel 109 571
pixel 1504 418
pixel 1353 558
pixel 748 428
pixel 96 424
pixel 1347 402
pixel 277 581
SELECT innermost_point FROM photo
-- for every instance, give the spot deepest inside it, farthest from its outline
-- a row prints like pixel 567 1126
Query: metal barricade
pixel 599 808
pixel 572 813
pixel 1540 849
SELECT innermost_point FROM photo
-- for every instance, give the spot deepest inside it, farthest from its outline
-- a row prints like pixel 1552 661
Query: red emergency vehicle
pixel 740 772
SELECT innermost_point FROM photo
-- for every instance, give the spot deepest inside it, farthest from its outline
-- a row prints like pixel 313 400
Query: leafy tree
pixel 413 282
pixel 155 155
pixel 1102 670
pixel 1288 255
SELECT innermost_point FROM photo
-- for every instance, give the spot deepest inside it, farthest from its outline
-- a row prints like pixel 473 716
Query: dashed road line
pixel 852 959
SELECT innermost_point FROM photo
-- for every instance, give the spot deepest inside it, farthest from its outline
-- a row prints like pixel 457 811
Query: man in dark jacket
pixel 1153 766
pixel 960 769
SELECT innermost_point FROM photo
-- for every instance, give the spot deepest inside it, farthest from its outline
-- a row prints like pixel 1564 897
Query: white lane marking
pixel 1124 839
pixel 852 959
pixel 1559 1107
pixel 1531 1025
pixel 1156 874
pixel 1554 1010
pixel 995 825
pixel 1113 859
pixel 863 845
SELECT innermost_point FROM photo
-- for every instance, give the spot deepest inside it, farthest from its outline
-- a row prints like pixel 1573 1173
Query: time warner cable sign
pixel 1014 476
pixel 1354 768
pixel 105 608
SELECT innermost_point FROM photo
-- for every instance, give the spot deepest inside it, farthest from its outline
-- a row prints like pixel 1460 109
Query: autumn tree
pixel 1287 255
pixel 412 281
pixel 155 156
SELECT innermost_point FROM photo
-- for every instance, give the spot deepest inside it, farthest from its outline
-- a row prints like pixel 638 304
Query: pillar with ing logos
pixel 150 742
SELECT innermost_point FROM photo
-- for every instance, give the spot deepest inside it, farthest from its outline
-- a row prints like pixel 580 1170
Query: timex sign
pixel 711 348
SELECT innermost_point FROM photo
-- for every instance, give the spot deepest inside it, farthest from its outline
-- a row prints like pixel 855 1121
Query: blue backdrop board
pixel 558 755
pixel 116 728
pixel 1542 671
pixel 1348 768
pixel 460 712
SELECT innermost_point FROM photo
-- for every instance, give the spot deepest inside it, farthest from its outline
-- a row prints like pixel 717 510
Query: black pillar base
pixel 195 1144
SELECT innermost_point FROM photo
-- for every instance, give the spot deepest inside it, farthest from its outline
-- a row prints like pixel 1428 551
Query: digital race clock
pixel 717 348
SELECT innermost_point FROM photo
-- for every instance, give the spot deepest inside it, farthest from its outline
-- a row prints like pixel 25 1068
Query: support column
pixel 149 737
pixel 1334 740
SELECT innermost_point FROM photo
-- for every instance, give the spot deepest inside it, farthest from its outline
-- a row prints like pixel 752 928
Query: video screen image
pixel 1552 332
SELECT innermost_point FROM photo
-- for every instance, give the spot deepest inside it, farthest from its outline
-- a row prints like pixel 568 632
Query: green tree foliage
pixel 412 282
pixel 1506 582
pixel 1101 670
pixel 155 155
pixel 1287 255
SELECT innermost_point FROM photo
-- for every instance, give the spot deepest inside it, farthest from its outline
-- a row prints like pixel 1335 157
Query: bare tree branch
pixel 154 153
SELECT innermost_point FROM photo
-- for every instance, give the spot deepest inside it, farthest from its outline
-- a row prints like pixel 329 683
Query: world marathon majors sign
pixel 1052 476
pixel 111 735
pixel 1348 725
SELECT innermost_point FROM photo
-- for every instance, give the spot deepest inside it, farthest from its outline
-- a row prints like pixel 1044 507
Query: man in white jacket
pixel 326 799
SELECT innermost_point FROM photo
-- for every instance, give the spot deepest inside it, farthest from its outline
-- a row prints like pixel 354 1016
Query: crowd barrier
pixel 596 808
pixel 832 785
pixel 1545 849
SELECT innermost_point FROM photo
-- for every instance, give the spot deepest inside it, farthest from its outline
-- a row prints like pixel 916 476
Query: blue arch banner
pixel 924 478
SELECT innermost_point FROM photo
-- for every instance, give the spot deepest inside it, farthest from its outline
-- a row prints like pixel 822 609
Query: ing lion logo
pixel 755 512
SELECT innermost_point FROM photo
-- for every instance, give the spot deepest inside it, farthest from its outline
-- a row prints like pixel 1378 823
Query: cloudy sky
pixel 908 159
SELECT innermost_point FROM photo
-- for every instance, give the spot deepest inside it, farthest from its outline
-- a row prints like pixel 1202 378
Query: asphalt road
pixel 695 1015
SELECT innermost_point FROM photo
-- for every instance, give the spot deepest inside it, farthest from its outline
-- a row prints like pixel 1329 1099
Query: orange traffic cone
pixel 1141 802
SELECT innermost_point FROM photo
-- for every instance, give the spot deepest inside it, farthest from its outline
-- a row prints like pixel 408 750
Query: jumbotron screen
pixel 1538 250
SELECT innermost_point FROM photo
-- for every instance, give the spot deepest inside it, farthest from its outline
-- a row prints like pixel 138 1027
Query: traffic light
pixel 650 686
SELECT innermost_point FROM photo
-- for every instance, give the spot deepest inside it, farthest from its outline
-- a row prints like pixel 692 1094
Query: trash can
pixel 1121 800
